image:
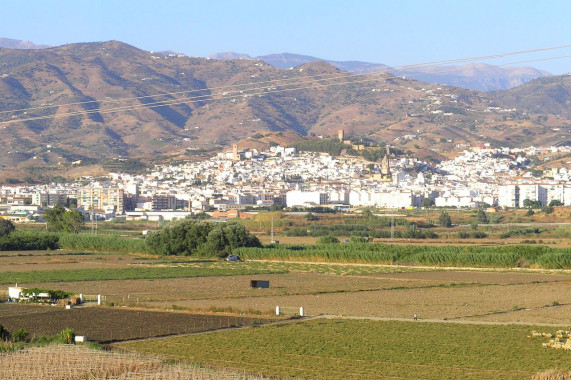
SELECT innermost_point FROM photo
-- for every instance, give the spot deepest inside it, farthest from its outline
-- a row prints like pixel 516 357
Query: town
pixel 241 180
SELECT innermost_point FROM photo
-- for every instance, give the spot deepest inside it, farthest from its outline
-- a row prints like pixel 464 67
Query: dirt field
pixel 352 290
pixel 103 324
pixel 61 260
pixel 434 295
pixel 438 294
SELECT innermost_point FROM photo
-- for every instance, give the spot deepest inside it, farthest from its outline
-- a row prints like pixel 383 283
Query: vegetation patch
pixel 141 272
pixel 340 349
pixel 450 255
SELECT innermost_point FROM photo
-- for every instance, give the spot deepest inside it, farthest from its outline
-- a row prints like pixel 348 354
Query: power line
pixel 323 76
pixel 313 81
pixel 347 73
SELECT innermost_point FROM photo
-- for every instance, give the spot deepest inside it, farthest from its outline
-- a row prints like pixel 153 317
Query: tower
pixel 341 135
pixel 235 156
pixel 385 169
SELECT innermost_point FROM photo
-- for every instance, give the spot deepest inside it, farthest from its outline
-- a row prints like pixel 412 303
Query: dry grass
pixel 69 362
pixel 553 374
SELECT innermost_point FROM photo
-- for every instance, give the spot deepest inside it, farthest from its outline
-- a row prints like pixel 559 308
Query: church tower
pixel 386 175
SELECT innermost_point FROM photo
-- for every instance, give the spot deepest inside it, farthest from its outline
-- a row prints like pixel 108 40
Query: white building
pixel 306 198
pixel 508 196
pixel 394 199
pixel 533 193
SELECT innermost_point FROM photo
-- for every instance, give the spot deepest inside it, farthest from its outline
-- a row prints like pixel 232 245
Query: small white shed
pixel 14 292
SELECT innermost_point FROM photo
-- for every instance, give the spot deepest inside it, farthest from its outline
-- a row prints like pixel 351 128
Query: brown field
pixel 20 261
pixel 496 296
pixel 432 294
pixel 156 308
pixel 105 325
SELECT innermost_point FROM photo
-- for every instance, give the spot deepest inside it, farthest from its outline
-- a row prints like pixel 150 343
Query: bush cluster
pixel 189 237
pixel 28 241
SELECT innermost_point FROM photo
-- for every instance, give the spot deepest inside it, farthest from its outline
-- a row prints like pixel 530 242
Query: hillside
pixel 10 43
pixel 108 100
pixel 473 76
pixel 476 76
pixel 541 96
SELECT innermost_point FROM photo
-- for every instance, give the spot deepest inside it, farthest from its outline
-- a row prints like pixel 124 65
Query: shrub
pixel 19 335
pixel 4 334
pixel 28 241
pixel 296 231
pixel 444 220
pixel 6 227
pixel 327 239
pixel 66 336
pixel 478 235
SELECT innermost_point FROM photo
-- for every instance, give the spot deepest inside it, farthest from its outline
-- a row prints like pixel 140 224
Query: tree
pixel 54 217
pixel 310 217
pixel 555 203
pixel 6 227
pixel 528 203
pixel 192 237
pixel 548 209
pixel 201 216
pixel 59 219
pixel 444 220
pixel 427 203
pixel 73 221
pixel 482 216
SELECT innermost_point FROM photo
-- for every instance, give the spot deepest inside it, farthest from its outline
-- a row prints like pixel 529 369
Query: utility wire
pixel 323 76
pixel 313 82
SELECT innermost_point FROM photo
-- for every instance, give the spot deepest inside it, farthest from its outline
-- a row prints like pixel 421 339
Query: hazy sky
pixel 398 32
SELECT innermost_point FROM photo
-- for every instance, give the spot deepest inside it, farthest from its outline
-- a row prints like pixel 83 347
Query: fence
pixel 93 298
pixel 288 310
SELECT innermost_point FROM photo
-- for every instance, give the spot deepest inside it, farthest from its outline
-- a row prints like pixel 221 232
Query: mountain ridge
pixel 106 100
pixel 473 76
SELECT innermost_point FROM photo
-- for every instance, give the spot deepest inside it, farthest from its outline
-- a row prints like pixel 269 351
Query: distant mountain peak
pixel 229 55
pixel 9 43
pixel 473 76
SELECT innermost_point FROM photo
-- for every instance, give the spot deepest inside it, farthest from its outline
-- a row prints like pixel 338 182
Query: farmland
pixel 106 325
pixel 149 297
pixel 340 349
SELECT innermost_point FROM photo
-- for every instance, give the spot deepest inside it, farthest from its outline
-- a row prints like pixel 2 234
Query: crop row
pixel 476 256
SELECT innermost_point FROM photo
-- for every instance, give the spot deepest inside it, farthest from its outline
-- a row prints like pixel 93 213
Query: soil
pixel 105 324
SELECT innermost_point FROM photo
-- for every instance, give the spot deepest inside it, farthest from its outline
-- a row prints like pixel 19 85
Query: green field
pixel 205 269
pixel 497 256
pixel 167 267
pixel 364 349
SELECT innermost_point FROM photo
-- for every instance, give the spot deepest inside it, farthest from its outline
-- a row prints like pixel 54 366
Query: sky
pixel 396 33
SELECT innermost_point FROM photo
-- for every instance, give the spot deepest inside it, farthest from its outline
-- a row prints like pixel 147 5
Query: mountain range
pixel 104 100
pixel 473 76
pixel 9 43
